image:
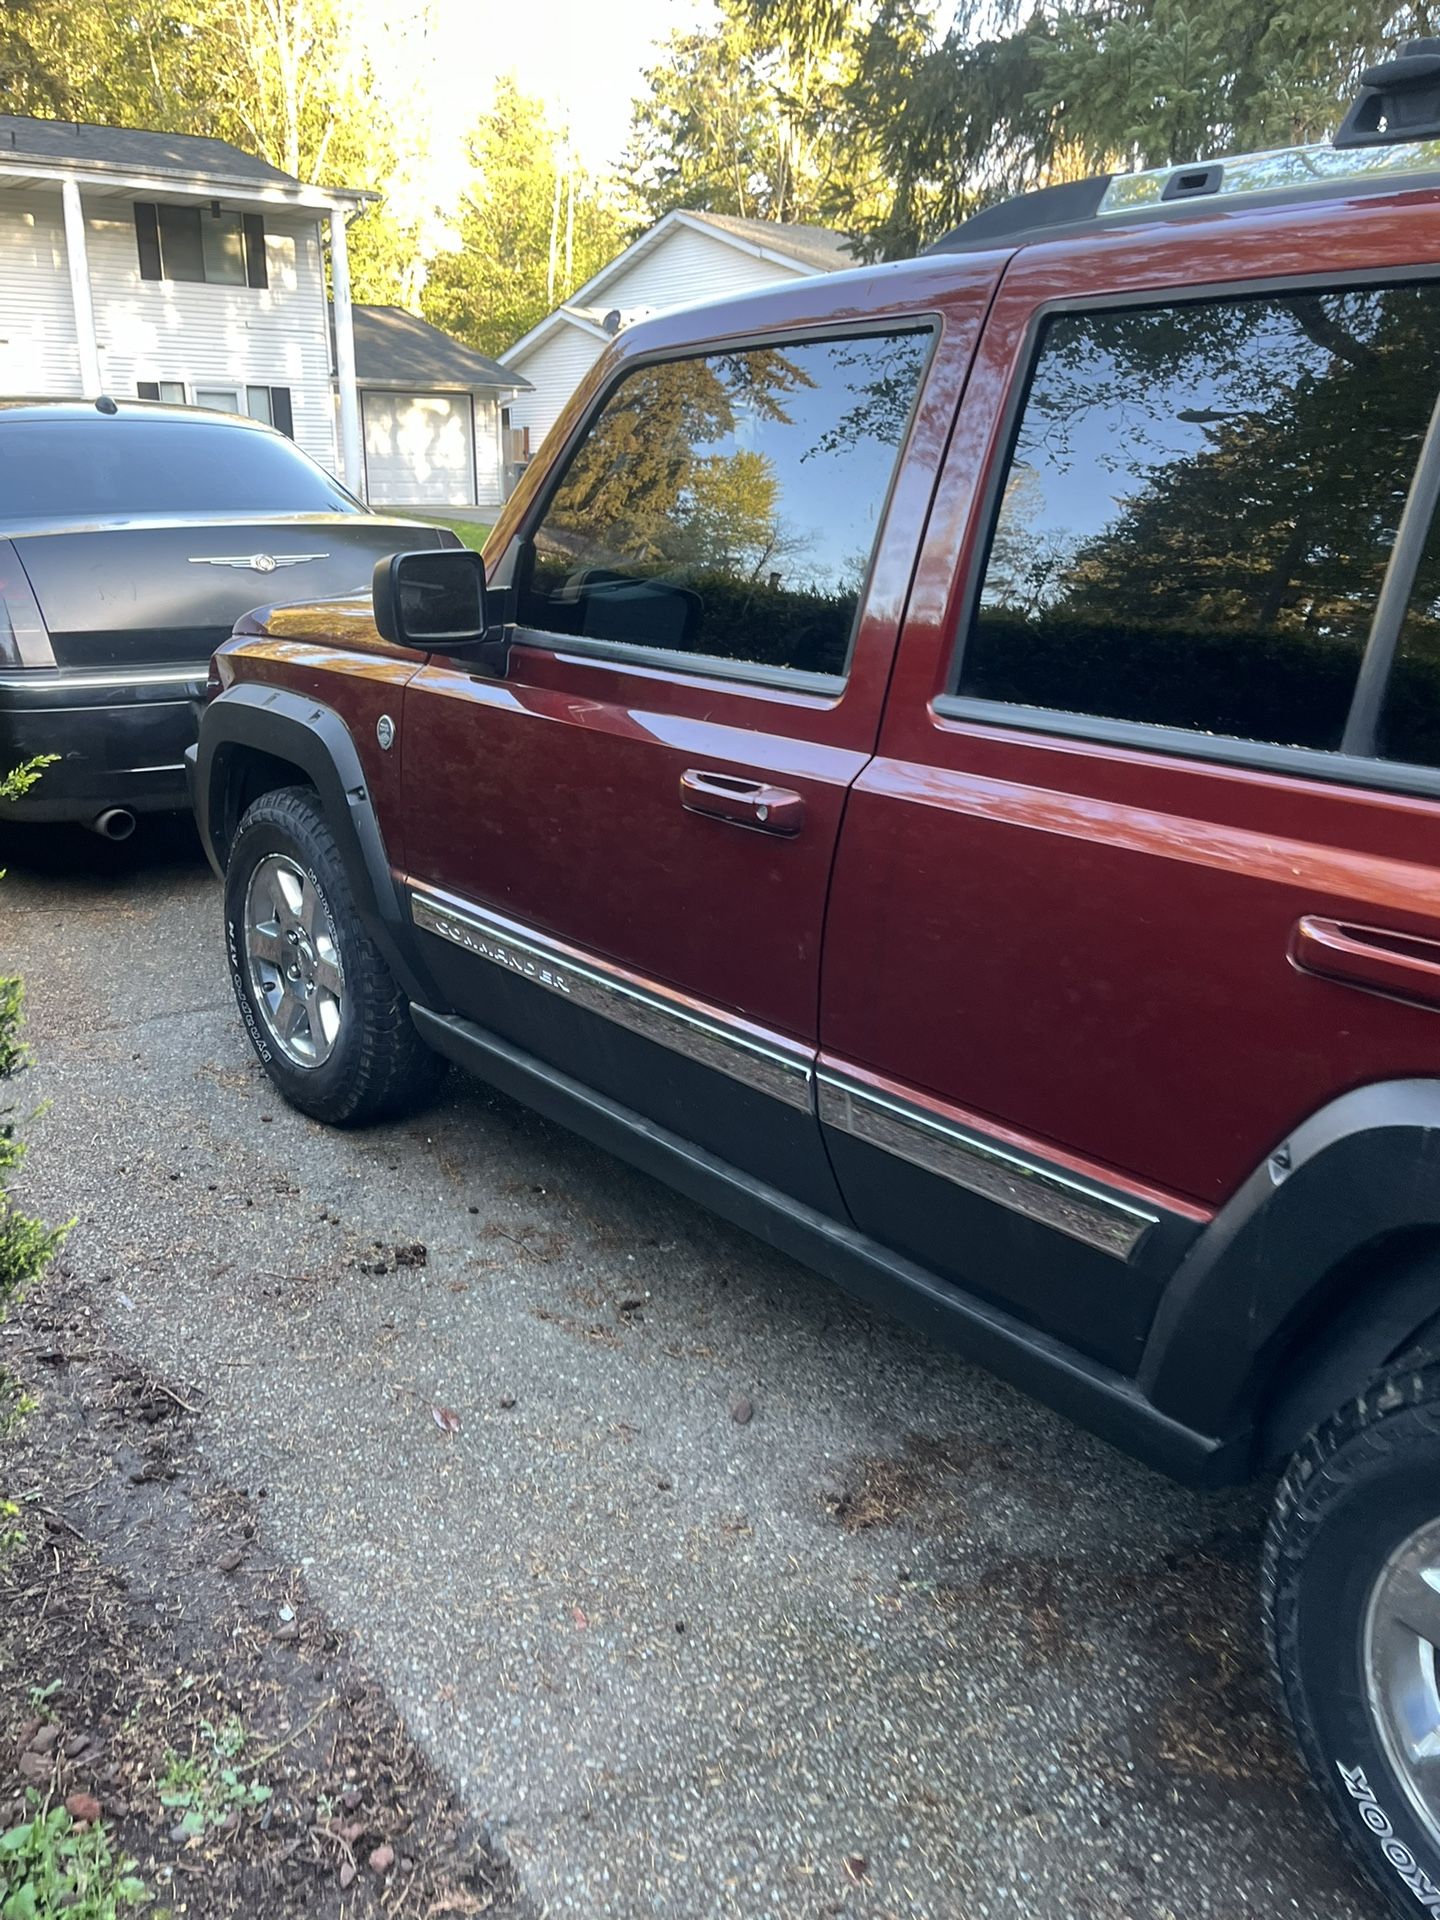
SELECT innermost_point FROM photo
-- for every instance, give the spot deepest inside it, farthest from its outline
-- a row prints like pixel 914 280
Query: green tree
pixel 743 118
pixel 953 111
pixel 532 226
pixel 32 78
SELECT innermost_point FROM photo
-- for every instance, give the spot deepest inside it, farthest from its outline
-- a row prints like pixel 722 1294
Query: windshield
pixel 107 468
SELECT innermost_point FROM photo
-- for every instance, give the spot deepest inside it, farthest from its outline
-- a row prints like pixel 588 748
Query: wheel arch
pixel 254 739
pixel 1320 1270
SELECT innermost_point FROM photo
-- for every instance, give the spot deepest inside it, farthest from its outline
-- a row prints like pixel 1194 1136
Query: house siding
pixel 37 322
pixel 684 265
pixel 164 330
pixel 554 368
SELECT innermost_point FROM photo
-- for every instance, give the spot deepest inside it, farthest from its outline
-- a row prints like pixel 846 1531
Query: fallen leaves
pixel 446 1419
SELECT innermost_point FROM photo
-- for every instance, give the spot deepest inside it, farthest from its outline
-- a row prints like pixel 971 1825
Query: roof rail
pixel 1390 133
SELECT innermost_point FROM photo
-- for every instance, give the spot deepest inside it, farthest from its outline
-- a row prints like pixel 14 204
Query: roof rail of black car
pixel 1390 139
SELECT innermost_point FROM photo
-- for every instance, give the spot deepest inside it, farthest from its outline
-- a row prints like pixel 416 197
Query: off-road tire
pixel 1358 1488
pixel 379 1065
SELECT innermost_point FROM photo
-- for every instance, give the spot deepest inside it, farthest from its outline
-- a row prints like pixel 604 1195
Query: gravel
pixel 721 1597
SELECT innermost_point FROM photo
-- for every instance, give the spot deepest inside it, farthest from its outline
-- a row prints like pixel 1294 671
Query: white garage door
pixel 418 449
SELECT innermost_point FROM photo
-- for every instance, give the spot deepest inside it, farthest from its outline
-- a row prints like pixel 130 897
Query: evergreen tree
pixel 531 227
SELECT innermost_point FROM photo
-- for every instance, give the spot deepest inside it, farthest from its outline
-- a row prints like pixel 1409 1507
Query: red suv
pixel 945 769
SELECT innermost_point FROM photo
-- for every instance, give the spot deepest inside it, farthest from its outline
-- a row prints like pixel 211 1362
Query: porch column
pixel 351 466
pixel 80 300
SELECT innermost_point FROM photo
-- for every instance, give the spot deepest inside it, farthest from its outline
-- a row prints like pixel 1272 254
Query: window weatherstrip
pixel 1362 728
pixel 709 1038
pixel 920 1136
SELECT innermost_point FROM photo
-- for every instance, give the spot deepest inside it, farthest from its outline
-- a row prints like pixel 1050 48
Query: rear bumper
pixel 120 737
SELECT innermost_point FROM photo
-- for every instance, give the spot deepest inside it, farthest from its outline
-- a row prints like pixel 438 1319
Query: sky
pixel 438 60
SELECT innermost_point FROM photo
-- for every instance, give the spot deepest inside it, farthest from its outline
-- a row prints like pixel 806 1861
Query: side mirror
pixel 433 600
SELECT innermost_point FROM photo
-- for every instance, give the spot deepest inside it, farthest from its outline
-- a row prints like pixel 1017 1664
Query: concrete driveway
pixel 900 1643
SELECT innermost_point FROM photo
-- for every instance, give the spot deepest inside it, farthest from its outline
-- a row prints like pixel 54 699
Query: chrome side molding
pixel 787 1072
pixel 709 1037
pixel 982 1167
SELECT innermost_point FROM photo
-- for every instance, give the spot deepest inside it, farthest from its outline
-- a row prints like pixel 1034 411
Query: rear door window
pixel 78 469
pixel 727 505
pixel 1199 508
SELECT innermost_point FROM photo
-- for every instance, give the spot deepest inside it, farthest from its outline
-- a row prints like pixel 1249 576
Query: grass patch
pixel 51 1867
pixel 472 533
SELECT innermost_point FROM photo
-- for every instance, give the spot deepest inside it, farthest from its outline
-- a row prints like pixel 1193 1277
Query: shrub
pixel 26 1245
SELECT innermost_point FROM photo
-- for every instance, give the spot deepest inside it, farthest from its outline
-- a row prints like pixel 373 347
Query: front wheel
pixel 1352 1598
pixel 323 1011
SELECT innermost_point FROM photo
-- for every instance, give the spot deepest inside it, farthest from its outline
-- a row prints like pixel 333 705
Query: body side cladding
pixel 1310 1277
pixel 1098 1397
pixel 250 719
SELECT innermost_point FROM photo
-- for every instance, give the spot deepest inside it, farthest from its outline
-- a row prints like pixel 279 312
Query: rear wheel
pixel 1352 1596
pixel 323 1011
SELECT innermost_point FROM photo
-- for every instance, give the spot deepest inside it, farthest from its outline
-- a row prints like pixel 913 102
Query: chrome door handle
pixel 743 803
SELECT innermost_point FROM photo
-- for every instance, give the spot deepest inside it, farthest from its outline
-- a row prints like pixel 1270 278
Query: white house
pixel 685 256
pixel 172 267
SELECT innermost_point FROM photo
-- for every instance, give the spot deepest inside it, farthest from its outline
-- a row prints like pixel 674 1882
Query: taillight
pixel 24 641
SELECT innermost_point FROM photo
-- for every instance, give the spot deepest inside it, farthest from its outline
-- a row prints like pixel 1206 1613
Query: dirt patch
pixel 159 1659
pixel 927 1482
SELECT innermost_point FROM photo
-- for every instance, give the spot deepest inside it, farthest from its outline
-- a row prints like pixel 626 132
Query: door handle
pixel 1368 957
pixel 744 803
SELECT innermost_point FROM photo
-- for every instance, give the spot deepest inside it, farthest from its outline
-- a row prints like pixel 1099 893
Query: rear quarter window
pixel 123 467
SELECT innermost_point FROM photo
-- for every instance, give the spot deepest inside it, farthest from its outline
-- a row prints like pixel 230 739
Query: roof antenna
pixel 106 405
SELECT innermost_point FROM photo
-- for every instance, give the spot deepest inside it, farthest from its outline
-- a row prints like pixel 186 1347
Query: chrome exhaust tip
pixel 115 823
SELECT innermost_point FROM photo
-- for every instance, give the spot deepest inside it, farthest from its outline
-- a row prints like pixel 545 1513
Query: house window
pixel 222 399
pixel 272 405
pixel 206 243
pixel 170 391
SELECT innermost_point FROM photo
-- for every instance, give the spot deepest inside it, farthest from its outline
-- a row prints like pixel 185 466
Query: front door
pixel 619 854
pixel 1129 824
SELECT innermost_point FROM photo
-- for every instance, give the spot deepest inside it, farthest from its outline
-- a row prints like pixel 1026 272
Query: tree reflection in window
pixel 728 505
pixel 1200 507
pixel 1410 722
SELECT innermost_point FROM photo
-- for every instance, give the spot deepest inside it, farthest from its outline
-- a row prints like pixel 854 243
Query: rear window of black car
pixel 109 468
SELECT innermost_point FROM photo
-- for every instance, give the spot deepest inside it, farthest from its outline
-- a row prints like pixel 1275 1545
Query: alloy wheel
pixel 1402 1679
pixel 293 961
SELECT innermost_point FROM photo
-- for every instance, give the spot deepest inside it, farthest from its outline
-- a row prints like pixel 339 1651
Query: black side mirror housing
pixel 435 600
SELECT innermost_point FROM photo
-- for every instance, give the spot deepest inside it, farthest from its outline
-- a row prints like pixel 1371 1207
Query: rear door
pixel 620 854
pixel 1137 880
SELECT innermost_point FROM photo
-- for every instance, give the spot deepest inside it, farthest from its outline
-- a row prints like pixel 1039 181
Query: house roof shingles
pixel 393 348
pixel 817 247
pixel 130 150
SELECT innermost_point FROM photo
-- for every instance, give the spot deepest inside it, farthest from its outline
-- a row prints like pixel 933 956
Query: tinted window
pixel 728 506
pixel 1200 507
pixel 79 469
pixel 1410 723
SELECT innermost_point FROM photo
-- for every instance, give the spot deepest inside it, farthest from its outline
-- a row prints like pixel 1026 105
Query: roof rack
pixel 1390 135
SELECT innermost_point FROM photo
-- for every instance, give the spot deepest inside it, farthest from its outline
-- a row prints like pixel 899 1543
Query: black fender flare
pixel 305 733
pixel 1322 1266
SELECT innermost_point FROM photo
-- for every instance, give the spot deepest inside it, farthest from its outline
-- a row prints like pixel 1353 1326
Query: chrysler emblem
pixel 256 562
